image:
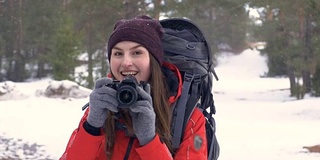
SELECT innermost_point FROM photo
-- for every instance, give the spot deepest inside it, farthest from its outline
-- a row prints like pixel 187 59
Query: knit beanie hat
pixel 141 29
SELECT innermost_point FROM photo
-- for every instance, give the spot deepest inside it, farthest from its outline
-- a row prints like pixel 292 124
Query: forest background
pixel 46 38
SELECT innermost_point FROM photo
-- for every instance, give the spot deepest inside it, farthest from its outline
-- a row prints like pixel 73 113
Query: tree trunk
pixel 131 8
pixel 17 72
pixel 316 82
pixel 306 78
pixel 104 64
pixel 90 50
pixel 157 9
pixel 292 80
pixel 20 61
pixel 65 5
pixel 40 70
pixel 306 73
pixel 1 75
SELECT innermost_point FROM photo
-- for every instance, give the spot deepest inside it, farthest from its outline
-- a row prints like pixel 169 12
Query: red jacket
pixel 84 146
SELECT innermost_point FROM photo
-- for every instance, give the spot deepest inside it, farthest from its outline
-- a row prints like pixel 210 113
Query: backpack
pixel 186 47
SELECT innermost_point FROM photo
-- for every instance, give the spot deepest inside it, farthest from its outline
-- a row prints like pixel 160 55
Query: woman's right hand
pixel 102 99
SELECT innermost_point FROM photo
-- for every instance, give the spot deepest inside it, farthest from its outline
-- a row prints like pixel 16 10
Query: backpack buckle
pixel 188 76
pixel 197 78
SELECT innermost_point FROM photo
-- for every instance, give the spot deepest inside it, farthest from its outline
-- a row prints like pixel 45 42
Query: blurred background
pixel 52 38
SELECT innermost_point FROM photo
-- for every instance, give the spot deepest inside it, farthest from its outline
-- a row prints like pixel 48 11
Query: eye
pixel 137 53
pixel 117 53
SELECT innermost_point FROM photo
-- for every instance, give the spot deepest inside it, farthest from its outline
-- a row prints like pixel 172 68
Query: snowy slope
pixel 256 118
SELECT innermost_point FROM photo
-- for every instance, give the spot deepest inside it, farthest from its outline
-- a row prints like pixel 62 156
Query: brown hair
pixel 162 109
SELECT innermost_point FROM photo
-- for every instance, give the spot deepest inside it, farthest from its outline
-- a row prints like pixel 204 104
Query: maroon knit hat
pixel 141 29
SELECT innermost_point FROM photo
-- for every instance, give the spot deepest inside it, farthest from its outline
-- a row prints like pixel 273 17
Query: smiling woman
pixel 110 130
pixel 130 58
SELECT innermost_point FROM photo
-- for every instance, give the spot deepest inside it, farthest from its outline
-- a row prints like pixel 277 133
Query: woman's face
pixel 130 58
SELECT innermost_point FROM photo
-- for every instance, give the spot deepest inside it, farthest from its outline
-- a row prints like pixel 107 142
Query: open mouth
pixel 129 73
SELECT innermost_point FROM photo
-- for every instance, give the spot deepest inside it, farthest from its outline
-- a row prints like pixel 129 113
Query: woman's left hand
pixel 143 117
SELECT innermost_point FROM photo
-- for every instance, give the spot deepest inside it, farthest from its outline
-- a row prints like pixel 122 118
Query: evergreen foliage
pixel 223 21
pixel 39 38
pixel 65 48
pixel 290 30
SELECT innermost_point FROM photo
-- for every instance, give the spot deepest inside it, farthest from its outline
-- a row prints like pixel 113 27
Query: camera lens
pixel 127 95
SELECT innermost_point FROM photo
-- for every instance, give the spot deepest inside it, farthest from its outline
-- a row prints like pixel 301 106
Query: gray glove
pixel 143 117
pixel 102 99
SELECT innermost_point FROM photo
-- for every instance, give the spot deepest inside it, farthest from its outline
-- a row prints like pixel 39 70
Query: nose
pixel 127 60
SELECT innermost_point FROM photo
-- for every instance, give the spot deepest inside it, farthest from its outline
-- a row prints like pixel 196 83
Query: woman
pixel 141 130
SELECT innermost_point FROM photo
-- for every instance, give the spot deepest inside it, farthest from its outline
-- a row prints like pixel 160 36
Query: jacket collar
pixel 177 80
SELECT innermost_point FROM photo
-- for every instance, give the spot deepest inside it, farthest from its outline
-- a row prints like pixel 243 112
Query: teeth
pixel 129 73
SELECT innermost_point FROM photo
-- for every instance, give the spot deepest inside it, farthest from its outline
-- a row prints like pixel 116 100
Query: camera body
pixel 126 90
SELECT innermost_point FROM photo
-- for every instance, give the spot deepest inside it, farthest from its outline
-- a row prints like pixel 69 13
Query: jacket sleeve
pixel 82 145
pixel 194 143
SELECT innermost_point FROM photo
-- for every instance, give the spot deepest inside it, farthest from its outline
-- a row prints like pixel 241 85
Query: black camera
pixel 126 90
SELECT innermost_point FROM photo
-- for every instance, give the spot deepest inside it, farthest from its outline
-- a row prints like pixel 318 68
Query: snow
pixel 256 118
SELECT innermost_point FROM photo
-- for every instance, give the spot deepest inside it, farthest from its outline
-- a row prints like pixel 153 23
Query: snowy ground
pixel 256 118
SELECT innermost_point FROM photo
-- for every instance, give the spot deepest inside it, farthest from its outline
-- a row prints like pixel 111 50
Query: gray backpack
pixel 186 47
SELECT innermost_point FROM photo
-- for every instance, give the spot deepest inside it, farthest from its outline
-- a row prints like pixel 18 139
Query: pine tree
pixel 65 49
pixel 288 28
pixel 223 22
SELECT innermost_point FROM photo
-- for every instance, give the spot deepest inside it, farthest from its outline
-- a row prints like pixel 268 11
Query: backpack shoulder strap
pixel 179 112
pixel 185 106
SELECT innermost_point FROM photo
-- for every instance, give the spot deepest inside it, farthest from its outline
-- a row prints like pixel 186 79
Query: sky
pixel 256 117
